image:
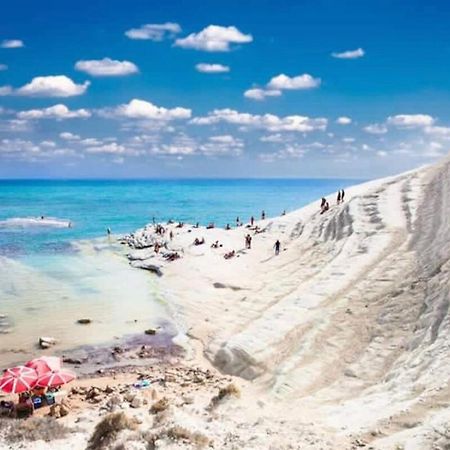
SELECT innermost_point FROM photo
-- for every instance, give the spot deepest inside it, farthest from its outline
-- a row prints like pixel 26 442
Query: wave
pixel 33 222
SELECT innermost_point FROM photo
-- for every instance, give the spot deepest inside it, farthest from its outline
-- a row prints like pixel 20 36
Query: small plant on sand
pixel 159 406
pixel 33 429
pixel 228 391
pixel 108 428
pixel 177 433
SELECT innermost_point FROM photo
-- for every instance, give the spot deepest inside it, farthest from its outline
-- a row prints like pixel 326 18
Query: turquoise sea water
pixel 92 206
pixel 50 276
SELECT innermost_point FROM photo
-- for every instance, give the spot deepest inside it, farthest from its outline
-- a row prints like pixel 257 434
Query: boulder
pixel 137 402
pixel 84 321
pixel 46 342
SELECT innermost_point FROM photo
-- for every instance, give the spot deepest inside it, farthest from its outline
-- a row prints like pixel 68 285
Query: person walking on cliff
pixel 277 247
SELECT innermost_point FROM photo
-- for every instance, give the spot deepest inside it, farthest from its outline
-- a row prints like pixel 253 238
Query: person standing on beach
pixel 171 235
pixel 108 231
pixel 263 215
pixel 342 195
pixel 252 221
pixel 248 242
pixel 339 197
pixel 277 247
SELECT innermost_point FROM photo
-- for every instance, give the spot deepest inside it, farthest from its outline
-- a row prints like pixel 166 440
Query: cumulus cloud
pixel 268 122
pixel 58 112
pixel 50 86
pixel 343 120
pixel 349 54
pixel 154 31
pixel 438 131
pixel 12 43
pixel 141 109
pixel 376 128
pixel 106 67
pixel 5 90
pixel 214 38
pixel 212 68
pixel 283 81
pixel 410 120
pixel 67 136
pixel 261 94
pixel 112 149
pixel 3 67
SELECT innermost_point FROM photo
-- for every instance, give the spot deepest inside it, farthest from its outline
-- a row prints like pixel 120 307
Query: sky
pixel 255 88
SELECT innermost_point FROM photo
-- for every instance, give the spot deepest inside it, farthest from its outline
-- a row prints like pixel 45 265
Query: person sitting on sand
pixel 322 203
pixel 325 208
pixel 198 241
pixel 180 225
pixel 277 247
pixel 215 244
pixel 248 242
pixel 228 227
pixel 230 254
pixel 284 212
pixel 210 226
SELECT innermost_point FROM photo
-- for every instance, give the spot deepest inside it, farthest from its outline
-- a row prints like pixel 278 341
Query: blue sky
pixel 222 89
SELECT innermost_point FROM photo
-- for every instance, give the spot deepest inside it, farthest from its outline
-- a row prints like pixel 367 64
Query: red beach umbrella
pixel 18 379
pixel 44 364
pixel 55 378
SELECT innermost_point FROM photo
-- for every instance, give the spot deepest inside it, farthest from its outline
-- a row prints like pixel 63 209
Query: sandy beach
pixel 338 342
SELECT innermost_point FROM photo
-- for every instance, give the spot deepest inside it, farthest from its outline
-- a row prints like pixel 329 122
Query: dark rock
pixel 84 321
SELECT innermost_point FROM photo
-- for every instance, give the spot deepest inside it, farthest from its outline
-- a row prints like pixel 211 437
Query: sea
pixel 57 263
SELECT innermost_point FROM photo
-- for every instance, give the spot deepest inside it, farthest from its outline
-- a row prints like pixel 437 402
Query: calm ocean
pixel 123 206
pixel 50 276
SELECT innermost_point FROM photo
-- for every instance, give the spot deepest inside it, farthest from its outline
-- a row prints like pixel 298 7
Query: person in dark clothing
pixel 339 197
pixel 342 195
pixel 277 247
pixel 263 215
pixel 252 220
pixel 248 242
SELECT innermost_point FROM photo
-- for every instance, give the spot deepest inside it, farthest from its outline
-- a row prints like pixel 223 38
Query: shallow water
pixel 51 274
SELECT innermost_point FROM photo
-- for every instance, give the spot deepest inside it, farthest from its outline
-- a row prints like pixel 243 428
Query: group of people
pixel 325 206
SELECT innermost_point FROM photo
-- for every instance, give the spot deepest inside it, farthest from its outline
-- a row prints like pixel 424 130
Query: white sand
pixel 340 340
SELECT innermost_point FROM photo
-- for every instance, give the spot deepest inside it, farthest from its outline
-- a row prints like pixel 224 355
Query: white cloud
pixel 382 153
pixel 283 81
pixel 344 120
pixel 15 125
pixel 214 38
pixel 3 67
pixel 91 142
pixel 141 109
pixel 273 138
pixel 106 67
pixel 226 139
pixel 5 90
pixel 12 43
pixel 58 112
pixel 212 68
pixel 376 128
pixel 50 86
pixel 111 149
pixel 348 140
pixel 268 122
pixel 349 54
pixel 410 120
pixel 154 31
pixel 438 131
pixel 67 136
pixel 261 94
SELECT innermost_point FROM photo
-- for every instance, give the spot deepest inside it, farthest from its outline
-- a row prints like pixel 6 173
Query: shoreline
pixel 328 343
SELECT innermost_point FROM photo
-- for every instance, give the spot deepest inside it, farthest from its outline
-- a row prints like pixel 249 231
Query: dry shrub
pixel 159 406
pixel 228 391
pixel 177 433
pixel 108 428
pixel 33 429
